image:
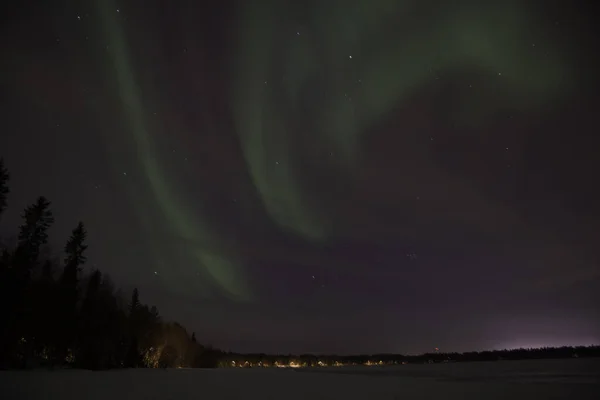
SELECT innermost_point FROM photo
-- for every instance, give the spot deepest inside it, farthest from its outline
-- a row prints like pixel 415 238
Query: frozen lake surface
pixel 549 379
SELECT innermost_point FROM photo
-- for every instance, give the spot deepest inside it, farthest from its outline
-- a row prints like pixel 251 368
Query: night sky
pixel 319 176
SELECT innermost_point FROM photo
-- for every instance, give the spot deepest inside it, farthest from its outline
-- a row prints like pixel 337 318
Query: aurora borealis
pixel 274 173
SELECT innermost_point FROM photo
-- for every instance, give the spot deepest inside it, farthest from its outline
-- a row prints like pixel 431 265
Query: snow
pixel 552 379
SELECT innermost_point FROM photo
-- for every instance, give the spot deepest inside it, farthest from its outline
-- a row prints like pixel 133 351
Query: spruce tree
pixel 133 357
pixel 68 288
pixel 34 232
pixel 74 259
pixel 75 247
pixel 135 303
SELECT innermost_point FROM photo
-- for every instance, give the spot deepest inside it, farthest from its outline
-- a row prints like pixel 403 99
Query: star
pixel 353 215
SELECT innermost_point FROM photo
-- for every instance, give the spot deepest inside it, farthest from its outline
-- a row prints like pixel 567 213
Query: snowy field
pixel 553 379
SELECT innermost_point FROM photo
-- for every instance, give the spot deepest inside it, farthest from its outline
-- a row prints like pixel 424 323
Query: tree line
pixel 237 360
pixel 57 313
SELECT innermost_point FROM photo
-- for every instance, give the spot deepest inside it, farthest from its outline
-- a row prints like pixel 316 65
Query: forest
pixel 58 313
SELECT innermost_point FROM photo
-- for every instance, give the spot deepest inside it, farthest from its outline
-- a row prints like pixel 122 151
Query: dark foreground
pixel 547 379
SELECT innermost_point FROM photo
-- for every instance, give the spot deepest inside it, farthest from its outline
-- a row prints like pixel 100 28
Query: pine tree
pixel 4 190
pixel 154 314
pixel 133 357
pixel 34 231
pixel 75 247
pixel 135 303
pixel 74 259
pixel 16 279
pixel 68 288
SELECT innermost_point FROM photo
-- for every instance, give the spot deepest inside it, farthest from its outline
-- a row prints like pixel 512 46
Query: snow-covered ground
pixel 552 379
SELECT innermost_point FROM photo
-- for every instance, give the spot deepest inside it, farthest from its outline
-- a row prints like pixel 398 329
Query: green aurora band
pixel 365 70
pixel 203 249
pixel 358 60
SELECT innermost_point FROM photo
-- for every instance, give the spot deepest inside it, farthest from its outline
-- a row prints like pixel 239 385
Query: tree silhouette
pixel 76 319
pixel 74 259
pixel 4 189
pixel 133 357
pixel 75 246
pixel 34 232
pixel 16 276
pixel 68 289
pixel 91 325
pixel 134 305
